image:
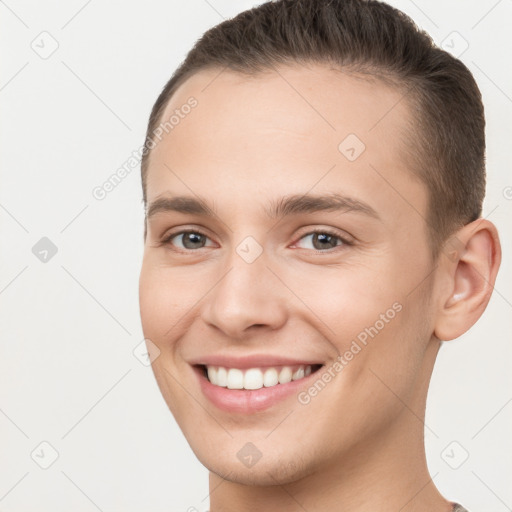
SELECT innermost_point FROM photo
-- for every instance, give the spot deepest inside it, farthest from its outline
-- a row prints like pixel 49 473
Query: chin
pixel 267 471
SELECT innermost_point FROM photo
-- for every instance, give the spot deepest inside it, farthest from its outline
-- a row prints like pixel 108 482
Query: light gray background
pixel 69 326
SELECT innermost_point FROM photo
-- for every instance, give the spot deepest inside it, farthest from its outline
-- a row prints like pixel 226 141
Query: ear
pixel 469 264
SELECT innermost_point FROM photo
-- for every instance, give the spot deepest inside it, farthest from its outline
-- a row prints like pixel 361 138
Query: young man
pixel 313 179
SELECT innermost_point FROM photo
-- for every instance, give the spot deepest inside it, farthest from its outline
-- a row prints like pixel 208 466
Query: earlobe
pixel 471 273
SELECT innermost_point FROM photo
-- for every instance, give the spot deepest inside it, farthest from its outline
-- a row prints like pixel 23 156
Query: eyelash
pixel 344 241
pixel 328 232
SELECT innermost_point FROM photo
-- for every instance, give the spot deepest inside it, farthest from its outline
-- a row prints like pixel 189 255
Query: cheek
pixel 371 319
pixel 159 301
pixel 393 354
pixel 346 300
pixel 168 297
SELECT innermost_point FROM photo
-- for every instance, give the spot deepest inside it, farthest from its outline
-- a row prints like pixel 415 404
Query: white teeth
pixel 255 378
pixel 285 375
pixel 298 374
pixel 235 379
pixel 270 377
pixel 222 377
pixel 212 373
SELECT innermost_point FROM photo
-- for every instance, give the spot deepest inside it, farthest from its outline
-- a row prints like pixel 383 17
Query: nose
pixel 249 296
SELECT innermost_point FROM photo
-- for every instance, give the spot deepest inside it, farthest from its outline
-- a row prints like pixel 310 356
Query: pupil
pixel 322 237
pixel 191 240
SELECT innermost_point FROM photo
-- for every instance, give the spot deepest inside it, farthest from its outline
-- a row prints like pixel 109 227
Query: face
pixel 298 250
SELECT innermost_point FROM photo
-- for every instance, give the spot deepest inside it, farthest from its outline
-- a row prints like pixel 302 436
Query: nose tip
pixel 247 297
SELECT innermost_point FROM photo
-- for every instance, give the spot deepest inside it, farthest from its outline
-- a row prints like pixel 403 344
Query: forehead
pixel 286 128
pixel 296 99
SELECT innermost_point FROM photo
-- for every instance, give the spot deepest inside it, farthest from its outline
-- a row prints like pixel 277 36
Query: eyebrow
pixel 180 204
pixel 285 206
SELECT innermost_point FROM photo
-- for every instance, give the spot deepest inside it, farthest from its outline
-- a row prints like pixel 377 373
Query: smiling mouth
pixel 256 378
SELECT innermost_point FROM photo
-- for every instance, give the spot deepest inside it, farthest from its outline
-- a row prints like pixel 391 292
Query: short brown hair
pixel 447 145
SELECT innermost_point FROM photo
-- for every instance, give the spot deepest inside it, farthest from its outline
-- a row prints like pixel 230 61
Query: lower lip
pixel 249 401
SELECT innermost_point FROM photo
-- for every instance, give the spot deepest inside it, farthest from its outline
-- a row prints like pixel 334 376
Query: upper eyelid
pixel 170 233
pixel 331 231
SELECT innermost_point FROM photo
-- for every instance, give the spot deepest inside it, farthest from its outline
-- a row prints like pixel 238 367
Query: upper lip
pixel 251 361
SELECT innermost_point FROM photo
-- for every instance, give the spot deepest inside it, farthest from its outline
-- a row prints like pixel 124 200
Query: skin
pixel 358 445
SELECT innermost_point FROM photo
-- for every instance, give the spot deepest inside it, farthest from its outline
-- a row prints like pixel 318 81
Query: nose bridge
pixel 248 293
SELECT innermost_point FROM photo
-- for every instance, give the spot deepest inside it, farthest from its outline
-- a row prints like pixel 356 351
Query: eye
pixel 187 240
pixel 323 240
pixel 320 239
